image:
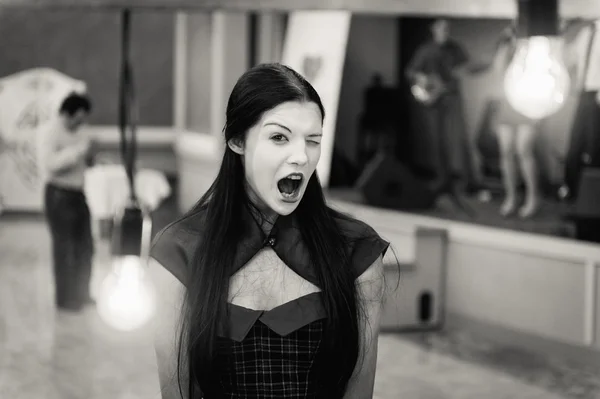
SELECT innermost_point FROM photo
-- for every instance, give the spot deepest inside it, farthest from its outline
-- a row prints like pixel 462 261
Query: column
pixel 271 32
pixel 198 73
pixel 210 54
pixel 180 57
pixel 229 60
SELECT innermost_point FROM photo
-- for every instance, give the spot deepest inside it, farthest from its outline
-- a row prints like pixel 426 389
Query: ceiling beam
pixel 587 9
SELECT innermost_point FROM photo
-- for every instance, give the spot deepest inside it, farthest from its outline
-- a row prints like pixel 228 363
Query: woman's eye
pixel 278 138
pixel 314 142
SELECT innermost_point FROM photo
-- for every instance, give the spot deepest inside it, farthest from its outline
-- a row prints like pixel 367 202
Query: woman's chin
pixel 285 204
pixel 284 208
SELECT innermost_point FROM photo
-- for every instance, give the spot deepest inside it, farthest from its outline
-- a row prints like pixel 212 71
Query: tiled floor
pixel 46 354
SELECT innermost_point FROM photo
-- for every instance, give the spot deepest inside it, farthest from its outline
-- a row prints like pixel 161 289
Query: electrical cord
pixel 127 114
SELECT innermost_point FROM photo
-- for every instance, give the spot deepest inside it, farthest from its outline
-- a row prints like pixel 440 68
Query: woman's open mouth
pixel 289 186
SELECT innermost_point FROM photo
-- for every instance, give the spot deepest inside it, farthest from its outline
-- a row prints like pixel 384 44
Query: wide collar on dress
pixel 286 240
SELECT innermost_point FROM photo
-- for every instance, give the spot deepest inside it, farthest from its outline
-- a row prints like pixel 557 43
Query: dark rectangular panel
pixel 86 45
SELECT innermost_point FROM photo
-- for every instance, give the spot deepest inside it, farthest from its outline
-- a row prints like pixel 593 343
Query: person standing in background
pixel 516 133
pixel 439 64
pixel 65 153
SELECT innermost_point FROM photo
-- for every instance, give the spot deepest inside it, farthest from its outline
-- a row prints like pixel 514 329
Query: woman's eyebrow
pixel 278 124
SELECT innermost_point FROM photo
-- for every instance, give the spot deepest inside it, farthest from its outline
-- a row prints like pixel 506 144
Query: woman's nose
pixel 299 156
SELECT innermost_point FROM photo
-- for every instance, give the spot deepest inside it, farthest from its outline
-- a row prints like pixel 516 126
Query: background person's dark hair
pixel 75 102
pixel 259 90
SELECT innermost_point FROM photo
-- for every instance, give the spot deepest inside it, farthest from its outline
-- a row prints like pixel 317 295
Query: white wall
pixel 372 48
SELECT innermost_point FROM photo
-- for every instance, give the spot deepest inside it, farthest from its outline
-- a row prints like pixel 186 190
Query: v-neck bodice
pixel 283 319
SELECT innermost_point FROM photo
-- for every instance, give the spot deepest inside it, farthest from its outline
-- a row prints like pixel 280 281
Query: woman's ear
pixel 236 145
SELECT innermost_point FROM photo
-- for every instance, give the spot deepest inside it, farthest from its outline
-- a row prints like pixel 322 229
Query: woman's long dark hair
pixel 260 89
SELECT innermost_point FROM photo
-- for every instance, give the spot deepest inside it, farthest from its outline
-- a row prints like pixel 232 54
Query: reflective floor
pixel 46 354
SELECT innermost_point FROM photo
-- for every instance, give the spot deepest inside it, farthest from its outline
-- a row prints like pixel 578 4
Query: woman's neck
pixel 262 214
pixel 263 218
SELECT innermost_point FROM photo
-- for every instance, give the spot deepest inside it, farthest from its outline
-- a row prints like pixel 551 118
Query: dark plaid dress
pixel 275 353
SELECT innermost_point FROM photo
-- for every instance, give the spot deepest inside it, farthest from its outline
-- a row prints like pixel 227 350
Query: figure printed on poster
pixel 434 74
pixel 23 148
pixel 22 153
pixel 311 65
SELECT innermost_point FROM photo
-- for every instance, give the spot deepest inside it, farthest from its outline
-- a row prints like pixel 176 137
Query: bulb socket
pixel 537 18
pixel 127 234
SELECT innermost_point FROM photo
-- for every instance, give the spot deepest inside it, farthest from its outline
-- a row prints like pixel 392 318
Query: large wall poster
pixel 315 46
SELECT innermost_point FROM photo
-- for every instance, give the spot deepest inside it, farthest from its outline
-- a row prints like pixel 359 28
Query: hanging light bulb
pixel 127 298
pixel 537 82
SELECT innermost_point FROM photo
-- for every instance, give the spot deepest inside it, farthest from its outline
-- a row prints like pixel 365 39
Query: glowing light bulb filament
pixel 127 299
pixel 537 82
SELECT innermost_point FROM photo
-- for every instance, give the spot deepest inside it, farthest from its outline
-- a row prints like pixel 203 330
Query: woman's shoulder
pixel 174 245
pixel 350 226
pixel 365 243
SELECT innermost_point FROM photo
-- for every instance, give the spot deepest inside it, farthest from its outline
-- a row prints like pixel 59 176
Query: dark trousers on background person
pixel 451 152
pixel 68 218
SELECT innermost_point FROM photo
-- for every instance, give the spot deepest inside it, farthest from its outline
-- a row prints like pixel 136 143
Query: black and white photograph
pixel 299 199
